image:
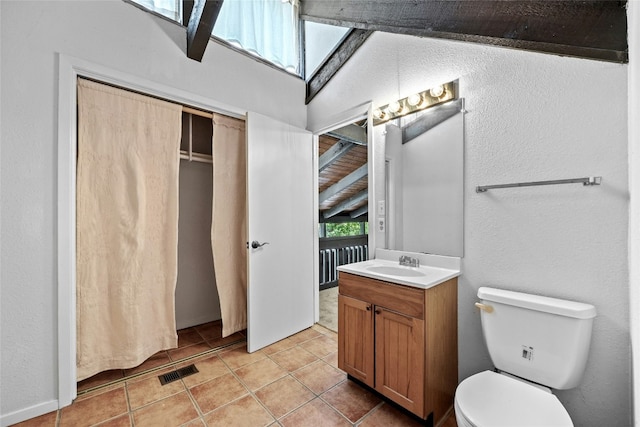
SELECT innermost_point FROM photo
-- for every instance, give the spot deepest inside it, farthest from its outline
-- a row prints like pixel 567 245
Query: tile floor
pixel 294 382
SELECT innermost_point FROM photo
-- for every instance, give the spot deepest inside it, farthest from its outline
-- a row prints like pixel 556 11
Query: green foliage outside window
pixel 346 229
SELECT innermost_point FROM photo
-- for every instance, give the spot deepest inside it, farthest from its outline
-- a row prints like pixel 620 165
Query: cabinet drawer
pixel 400 298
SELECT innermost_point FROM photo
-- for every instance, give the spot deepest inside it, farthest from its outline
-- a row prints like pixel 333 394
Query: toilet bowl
pixel 536 343
pixel 491 399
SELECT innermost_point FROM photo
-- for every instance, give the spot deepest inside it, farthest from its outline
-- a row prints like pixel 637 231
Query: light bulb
pixel 378 114
pixel 395 107
pixel 437 91
pixel 414 99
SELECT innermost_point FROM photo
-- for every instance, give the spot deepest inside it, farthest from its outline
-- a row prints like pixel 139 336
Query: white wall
pixel 530 117
pixel 197 299
pixel 120 36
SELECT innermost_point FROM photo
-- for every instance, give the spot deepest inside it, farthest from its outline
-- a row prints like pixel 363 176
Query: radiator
pixel 330 259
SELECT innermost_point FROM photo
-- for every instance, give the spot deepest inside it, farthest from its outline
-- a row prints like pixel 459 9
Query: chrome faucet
pixel 409 261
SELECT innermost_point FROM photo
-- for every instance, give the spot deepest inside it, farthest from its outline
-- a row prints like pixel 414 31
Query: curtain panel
pixel 127 227
pixel 228 222
pixel 267 28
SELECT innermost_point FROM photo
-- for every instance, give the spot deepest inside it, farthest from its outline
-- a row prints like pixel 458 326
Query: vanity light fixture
pixel 416 102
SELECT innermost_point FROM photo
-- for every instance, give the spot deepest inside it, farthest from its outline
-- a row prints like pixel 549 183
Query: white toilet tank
pixel 541 339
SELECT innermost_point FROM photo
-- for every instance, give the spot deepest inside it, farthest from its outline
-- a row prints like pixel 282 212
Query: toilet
pixel 536 344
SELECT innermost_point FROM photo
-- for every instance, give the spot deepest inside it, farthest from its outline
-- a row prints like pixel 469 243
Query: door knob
pixel 255 244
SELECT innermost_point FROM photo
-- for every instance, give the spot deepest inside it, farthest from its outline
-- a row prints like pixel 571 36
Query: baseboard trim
pixel 28 413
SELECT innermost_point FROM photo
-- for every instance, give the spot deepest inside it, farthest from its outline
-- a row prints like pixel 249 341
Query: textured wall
pixel 530 117
pixel 122 37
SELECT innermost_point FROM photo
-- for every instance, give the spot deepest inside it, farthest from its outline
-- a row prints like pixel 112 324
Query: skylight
pixel 172 9
pixel 265 28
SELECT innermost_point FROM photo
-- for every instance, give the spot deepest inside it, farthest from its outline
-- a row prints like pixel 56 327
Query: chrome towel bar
pixel 592 180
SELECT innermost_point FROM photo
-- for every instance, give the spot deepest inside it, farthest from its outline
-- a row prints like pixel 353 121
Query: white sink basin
pixel 395 271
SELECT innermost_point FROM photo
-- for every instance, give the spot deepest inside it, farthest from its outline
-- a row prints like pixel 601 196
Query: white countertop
pixel 426 276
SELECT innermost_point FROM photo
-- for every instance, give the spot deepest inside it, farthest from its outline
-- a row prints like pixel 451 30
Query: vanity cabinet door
pixel 400 357
pixel 355 338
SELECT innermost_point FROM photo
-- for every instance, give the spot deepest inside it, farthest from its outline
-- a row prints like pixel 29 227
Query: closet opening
pixel 197 302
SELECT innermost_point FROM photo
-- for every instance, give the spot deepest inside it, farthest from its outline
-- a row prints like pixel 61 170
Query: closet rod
pixel 197 112
pixel 592 180
pixel 196 157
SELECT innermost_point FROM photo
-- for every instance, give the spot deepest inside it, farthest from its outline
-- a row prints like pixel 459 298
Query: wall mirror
pixel 424 181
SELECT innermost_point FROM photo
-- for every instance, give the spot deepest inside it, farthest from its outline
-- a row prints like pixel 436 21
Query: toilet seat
pixel 494 400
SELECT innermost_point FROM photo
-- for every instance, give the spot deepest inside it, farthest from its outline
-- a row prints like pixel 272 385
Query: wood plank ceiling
pixel 342 175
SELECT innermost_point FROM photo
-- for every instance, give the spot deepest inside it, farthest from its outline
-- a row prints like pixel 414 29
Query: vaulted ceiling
pixel 595 29
pixel 587 29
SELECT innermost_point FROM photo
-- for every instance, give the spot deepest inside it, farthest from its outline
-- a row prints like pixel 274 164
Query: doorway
pixel 343 190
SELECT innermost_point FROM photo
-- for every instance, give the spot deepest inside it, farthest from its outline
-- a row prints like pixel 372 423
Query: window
pixel 172 9
pixel 265 28
pixel 344 229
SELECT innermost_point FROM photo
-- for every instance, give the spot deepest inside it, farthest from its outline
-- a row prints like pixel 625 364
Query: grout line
pixel 157 368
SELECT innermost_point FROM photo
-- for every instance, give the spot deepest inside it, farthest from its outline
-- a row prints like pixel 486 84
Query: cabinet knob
pixel 378 311
pixel 368 308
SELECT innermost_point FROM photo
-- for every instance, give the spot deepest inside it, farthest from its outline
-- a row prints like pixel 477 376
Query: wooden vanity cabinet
pixel 400 341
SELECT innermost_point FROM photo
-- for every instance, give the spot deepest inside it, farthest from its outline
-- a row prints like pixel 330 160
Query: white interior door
pixel 280 216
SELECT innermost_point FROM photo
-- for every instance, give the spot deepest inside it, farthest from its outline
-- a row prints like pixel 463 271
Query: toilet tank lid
pixel 561 307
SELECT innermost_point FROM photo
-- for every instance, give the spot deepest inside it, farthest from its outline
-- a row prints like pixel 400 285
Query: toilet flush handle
pixel 485 307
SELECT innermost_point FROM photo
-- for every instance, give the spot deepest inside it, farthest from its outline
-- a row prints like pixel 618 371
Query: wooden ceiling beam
pixel 351 201
pixel 334 153
pixel 347 47
pixel 430 118
pixel 587 29
pixel 352 133
pixel 344 183
pixel 360 211
pixel 203 17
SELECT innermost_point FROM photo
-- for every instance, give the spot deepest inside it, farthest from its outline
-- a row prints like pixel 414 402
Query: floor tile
pixel 260 373
pixel 284 395
pixel 242 412
pixel 95 409
pixel 188 336
pixel 293 358
pixel 351 400
pixel 172 411
pixel 239 357
pixel 314 413
pixel 217 392
pixel 220 342
pixel 278 346
pixel 46 420
pixel 100 379
pixel 121 421
pixel 192 350
pixel 321 346
pixel 305 335
pixel 195 423
pixel 332 359
pixel 320 376
pixel 209 367
pixel 149 389
pixel 389 416
pixel 211 330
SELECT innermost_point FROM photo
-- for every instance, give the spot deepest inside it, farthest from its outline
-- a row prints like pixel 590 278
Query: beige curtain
pixel 127 227
pixel 228 223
